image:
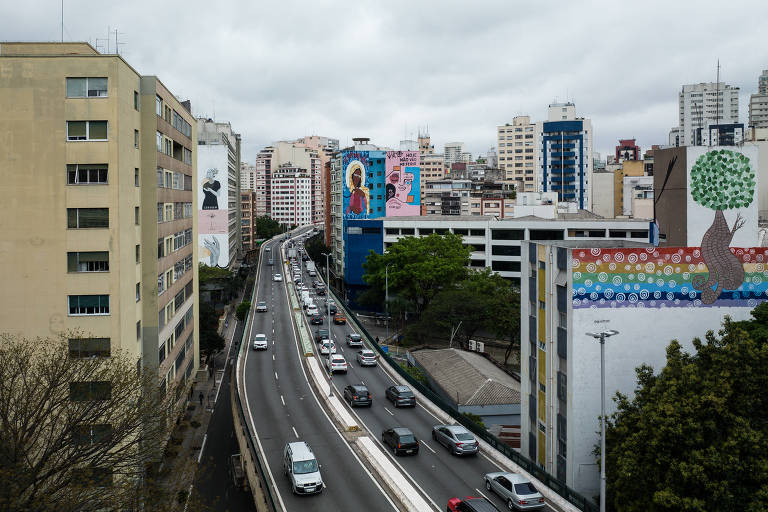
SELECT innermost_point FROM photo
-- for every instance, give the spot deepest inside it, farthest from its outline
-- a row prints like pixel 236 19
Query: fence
pixel 545 478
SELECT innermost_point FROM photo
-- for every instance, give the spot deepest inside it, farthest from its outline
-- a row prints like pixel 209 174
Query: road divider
pixel 340 413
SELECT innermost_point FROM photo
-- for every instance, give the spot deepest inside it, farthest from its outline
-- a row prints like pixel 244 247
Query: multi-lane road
pixel 284 408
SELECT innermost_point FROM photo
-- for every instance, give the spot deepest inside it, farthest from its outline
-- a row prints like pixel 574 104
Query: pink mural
pixel 403 194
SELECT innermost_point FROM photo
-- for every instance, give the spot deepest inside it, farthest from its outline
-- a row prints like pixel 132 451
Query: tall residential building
pixel 247 176
pixel 102 214
pixel 291 195
pixel 455 153
pixel 565 155
pixel 325 148
pixel 758 103
pixel 701 105
pixel 218 155
pixel 627 150
pixel 248 222
pixel 518 148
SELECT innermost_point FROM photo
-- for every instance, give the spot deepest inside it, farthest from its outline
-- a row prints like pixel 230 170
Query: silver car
pixel 456 438
pixel 516 490
pixel 366 358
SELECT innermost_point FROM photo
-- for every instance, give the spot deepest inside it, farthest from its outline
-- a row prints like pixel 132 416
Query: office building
pixel 248 222
pixel 518 149
pixel 454 152
pixel 701 105
pixel 218 155
pixel 101 238
pixel 247 176
pixel 565 155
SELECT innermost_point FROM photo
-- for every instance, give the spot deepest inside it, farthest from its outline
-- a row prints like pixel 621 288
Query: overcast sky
pixel 383 69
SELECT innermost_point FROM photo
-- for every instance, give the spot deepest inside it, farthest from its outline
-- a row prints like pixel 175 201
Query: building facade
pixel 627 150
pixel 758 103
pixel 454 152
pixel 248 220
pixel 292 198
pixel 518 153
pixel 247 176
pixel 115 257
pixel 701 105
pixel 218 155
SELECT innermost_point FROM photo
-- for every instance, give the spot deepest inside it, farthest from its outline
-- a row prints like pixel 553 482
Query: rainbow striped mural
pixel 660 278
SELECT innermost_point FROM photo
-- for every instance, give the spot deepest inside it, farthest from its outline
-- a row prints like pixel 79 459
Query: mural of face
pixel 358 192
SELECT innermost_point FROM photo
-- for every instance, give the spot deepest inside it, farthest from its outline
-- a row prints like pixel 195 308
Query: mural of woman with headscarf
pixel 211 188
pixel 359 195
pixel 400 200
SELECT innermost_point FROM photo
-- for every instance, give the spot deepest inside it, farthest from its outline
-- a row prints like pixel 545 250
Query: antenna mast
pixel 62 21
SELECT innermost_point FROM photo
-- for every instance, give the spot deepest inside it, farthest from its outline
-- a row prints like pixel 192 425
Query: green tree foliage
pixel 210 339
pixel 695 436
pixel 242 310
pixel 267 227
pixel 315 247
pixel 474 418
pixel 419 267
pixel 207 274
pixel 722 179
pixel 77 430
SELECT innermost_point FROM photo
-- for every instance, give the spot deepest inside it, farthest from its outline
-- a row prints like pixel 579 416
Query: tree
pixel 78 427
pixel 695 436
pixel 242 310
pixel 419 267
pixel 721 180
pixel 315 247
pixel 210 339
pixel 267 227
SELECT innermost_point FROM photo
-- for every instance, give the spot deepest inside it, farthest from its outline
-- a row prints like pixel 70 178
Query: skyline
pixel 281 72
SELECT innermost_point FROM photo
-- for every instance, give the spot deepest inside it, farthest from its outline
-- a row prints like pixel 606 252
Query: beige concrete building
pixel 98 231
pixel 627 168
pixel 518 144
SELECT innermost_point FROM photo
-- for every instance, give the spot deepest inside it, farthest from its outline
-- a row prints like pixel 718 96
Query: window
pixel 85 435
pixel 136 177
pixel 159 137
pixel 187 156
pixel 138 330
pixel 136 139
pixel 136 100
pixel 159 105
pixel 169 277
pixel 187 210
pixel 86 174
pixel 80 305
pixel 168 147
pixel 160 214
pixel 161 320
pixel 187 236
pixel 160 247
pixel 168 179
pixel 91 390
pixel 138 253
pixel 160 283
pixel 79 218
pixel 177 181
pixel 138 292
pixel 89 347
pixel 562 386
pixel 86 87
pixel 95 261
pixel 168 245
pixel 169 311
pixel 168 212
pixel 136 215
pixel 86 130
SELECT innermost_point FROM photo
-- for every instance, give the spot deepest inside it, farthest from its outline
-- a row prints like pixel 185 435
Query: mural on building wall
pixel 357 197
pixel 403 195
pixel 658 277
pixel 721 180
pixel 213 250
pixel 213 213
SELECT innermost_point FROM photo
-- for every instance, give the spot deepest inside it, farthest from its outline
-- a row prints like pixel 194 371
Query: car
pixel 400 396
pixel 321 334
pixel 321 292
pixel 357 394
pixel 312 273
pixel 456 438
pixel 301 467
pixel 336 363
pixel 316 320
pixel 277 277
pixel 312 310
pixel 338 318
pixel 332 308
pixel 271 261
pixel 327 347
pixel 470 504
pixel 316 284
pixel 517 491
pixel 366 357
pixel 400 440
pixel 260 342
pixel 354 340
pixel 261 307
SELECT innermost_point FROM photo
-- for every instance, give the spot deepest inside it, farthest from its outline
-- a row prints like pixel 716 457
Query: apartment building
pixel 627 149
pixel 518 150
pixel 758 103
pixel 106 157
pixel 454 152
pixel 247 176
pixel 248 219
pixel 292 195
pixel 218 155
pixel 702 105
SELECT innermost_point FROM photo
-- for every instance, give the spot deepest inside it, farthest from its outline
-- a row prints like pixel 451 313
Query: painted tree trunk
pixel 725 269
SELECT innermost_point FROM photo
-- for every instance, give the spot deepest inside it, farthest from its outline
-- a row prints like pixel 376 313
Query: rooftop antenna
pixel 62 21
pixel 717 105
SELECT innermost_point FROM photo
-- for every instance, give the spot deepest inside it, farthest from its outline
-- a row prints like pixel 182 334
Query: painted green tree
pixel 721 180
pixel 694 437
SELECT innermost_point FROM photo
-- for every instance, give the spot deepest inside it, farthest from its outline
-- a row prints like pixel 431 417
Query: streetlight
pixel 453 333
pixel 386 297
pixel 327 294
pixel 601 336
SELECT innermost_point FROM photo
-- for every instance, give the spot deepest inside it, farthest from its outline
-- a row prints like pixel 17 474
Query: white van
pixel 301 468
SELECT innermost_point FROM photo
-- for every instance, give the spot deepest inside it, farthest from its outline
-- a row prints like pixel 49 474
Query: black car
pixel 401 440
pixel 357 394
pixel 320 292
pixel 316 320
pixel 321 334
pixel 333 309
pixel 401 396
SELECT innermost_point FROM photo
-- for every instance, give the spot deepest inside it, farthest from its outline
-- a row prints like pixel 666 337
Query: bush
pixel 415 373
pixel 242 310
pixel 474 418
pixel 181 497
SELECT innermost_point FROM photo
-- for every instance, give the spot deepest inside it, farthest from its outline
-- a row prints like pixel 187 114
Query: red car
pixel 471 504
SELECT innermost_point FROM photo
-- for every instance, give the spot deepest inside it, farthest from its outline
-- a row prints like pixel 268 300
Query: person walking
pixel 201 398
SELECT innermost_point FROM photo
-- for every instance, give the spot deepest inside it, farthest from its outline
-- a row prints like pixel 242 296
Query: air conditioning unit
pixel 480 346
pixel 472 345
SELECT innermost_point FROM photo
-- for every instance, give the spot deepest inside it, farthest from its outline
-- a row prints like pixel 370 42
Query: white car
pixel 277 277
pixel 312 310
pixel 260 342
pixel 261 307
pixel 327 348
pixel 336 363
pixel 366 358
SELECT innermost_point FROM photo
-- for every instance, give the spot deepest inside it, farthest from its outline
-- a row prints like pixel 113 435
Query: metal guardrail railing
pixel 528 465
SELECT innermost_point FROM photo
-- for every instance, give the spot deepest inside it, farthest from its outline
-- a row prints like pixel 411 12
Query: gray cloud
pixel 280 70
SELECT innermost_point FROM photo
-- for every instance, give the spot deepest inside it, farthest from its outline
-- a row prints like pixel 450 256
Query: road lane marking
pixel 295 433
pixel 481 494
pixel 275 375
pixel 390 412
pixel 428 447
pixel 273 357
pixel 283 400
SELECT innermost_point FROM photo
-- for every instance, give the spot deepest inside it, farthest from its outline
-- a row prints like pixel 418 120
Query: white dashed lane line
pixel 283 400
pixel 390 412
pixel 428 447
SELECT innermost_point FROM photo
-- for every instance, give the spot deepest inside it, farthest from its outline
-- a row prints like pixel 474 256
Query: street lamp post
pixel 601 336
pixel 327 293
pixel 386 297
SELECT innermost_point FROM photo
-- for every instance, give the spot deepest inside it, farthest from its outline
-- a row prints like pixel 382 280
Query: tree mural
pixel 721 180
